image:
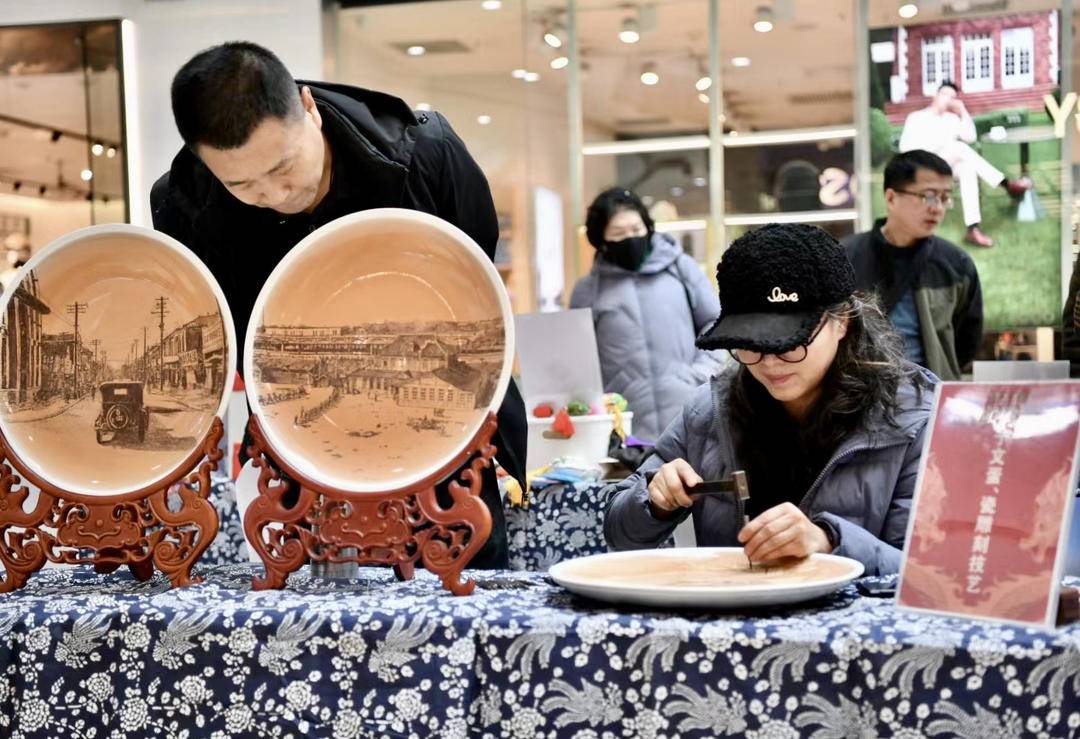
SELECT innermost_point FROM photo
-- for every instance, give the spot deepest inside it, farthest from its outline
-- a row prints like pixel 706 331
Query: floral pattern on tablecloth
pixel 85 655
pixel 229 546
pixel 560 522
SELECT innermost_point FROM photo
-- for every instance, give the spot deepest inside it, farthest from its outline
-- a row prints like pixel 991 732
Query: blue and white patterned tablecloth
pixel 83 655
pixel 560 522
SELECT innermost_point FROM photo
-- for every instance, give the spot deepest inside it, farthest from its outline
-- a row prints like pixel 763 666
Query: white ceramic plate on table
pixel 706 577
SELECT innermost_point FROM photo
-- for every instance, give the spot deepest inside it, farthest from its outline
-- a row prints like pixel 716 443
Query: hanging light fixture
pixel 908 10
pixel 555 36
pixel 763 19
pixel 649 75
pixel 704 81
pixel 631 32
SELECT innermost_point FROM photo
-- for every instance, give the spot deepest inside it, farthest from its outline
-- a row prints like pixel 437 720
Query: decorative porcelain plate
pixel 376 349
pixel 117 351
pixel 706 577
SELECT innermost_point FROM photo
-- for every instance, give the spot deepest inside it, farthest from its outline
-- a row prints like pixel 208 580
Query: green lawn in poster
pixel 1021 272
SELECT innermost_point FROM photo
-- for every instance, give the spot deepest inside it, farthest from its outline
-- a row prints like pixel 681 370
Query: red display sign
pixel 993 502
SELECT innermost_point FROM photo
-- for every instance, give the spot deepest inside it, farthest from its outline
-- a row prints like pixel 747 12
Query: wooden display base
pixel 136 529
pixel 397 527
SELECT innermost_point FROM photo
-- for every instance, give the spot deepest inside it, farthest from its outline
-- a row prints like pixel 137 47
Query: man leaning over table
pixel 268 159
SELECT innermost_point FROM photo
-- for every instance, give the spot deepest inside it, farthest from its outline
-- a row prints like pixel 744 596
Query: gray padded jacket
pixel 864 491
pixel 646 323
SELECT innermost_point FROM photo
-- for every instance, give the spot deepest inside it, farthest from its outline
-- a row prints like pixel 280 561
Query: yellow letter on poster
pixel 1060 113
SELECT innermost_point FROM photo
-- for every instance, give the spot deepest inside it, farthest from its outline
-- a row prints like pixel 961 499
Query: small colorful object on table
pixel 544 410
pixel 577 408
pixel 563 425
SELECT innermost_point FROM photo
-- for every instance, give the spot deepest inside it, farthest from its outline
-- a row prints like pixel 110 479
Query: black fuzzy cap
pixel 775 284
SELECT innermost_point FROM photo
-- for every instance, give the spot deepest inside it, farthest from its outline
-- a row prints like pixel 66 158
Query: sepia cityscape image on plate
pixel 378 350
pixel 113 361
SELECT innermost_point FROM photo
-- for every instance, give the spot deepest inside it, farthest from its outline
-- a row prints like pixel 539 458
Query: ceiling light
pixel 491 4
pixel 703 97
pixel 86 175
pixel 518 74
pixel 703 83
pixel 483 120
pixel 531 76
pixel 426 107
pixel 110 152
pixel 700 182
pixel 908 10
pixel 629 33
pixel 559 62
pixel 763 20
pixel 554 36
pixel 415 51
pixel 740 61
pixel 97 150
pixel 649 75
pixel 677 192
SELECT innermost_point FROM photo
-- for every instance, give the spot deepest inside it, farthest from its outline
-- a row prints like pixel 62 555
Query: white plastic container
pixel 589 442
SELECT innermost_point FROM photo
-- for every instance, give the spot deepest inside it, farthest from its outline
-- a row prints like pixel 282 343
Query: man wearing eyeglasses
pixel 945 128
pixel 928 286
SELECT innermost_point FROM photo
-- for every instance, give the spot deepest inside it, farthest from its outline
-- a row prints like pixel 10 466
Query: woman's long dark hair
pixel 868 369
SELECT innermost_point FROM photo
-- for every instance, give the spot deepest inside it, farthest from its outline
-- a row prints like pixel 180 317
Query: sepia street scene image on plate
pixel 113 361
pixel 378 353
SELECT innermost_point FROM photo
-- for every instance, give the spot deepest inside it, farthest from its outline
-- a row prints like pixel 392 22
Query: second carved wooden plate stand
pixel 136 529
pixel 401 528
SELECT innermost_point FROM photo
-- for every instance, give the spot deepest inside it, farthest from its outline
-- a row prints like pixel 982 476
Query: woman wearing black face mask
pixel 649 301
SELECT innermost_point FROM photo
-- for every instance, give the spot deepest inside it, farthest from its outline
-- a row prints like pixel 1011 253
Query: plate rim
pixel 73 239
pixel 300 461
pixel 697 590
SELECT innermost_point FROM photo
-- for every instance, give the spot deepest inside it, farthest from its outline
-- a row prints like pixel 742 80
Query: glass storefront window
pixel 491 74
pixel 61 128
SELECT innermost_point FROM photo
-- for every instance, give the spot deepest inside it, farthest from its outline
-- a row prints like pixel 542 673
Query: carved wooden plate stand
pixel 136 529
pixel 398 527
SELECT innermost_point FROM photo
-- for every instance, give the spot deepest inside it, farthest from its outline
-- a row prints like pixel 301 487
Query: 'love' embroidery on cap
pixel 778 296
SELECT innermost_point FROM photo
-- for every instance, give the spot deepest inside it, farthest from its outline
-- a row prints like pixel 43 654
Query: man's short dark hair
pixel 607 204
pixel 948 83
pixel 222 94
pixel 903 168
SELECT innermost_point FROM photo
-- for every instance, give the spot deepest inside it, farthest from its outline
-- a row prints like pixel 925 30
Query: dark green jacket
pixel 1070 323
pixel 948 295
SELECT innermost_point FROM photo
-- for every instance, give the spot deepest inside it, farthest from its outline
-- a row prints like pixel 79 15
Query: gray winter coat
pixel 646 323
pixel 864 491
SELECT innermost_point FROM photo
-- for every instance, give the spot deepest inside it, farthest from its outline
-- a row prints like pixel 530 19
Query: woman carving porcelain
pixel 649 301
pixel 822 412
